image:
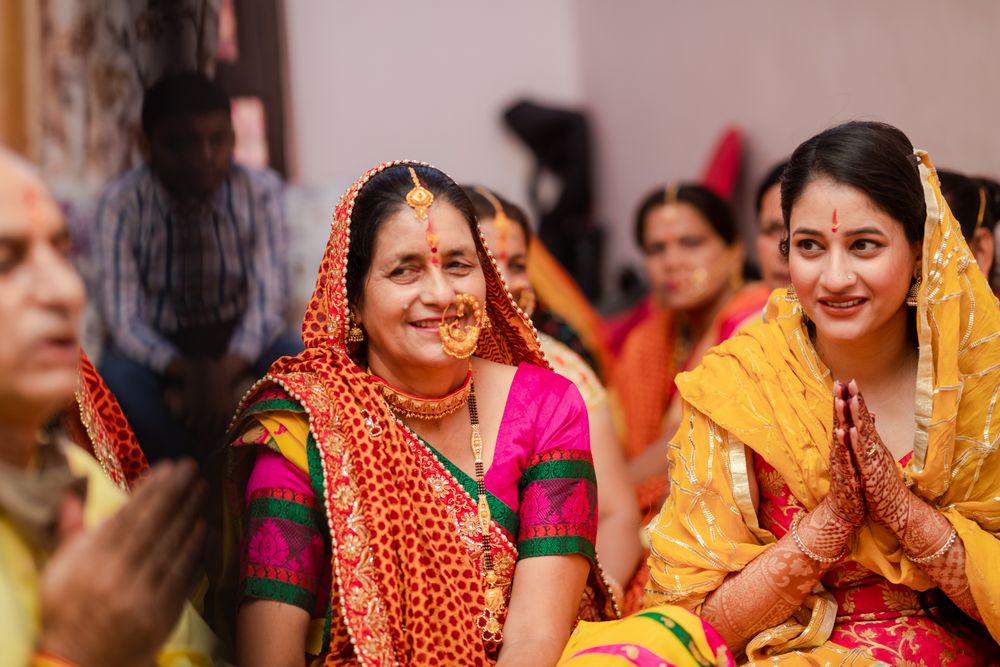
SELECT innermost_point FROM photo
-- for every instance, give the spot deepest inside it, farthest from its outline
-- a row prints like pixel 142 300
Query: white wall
pixel 384 79
pixel 378 80
pixel 663 78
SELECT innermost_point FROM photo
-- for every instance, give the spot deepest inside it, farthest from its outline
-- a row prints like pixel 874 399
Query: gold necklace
pixel 409 406
pixel 489 619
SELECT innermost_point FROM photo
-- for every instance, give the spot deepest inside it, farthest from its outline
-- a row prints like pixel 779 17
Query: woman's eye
pixel 692 241
pixel 518 267
pixel 402 272
pixel 807 245
pixel 866 245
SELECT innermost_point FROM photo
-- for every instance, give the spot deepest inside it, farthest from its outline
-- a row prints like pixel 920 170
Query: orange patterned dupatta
pixel 643 379
pixel 403 584
pixel 96 423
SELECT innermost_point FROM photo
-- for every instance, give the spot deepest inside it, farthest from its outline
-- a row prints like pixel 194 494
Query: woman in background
pixel 694 261
pixel 505 228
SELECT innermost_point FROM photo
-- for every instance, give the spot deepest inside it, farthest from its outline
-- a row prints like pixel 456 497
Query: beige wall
pixel 372 81
pixel 375 81
pixel 663 78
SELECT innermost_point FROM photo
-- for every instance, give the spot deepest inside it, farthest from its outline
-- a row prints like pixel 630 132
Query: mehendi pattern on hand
pixel 886 495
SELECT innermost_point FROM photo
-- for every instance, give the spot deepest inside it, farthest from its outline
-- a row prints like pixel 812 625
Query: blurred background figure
pixel 972 203
pixel 694 263
pixel 86 576
pixel 193 275
pixel 508 235
pixel 771 230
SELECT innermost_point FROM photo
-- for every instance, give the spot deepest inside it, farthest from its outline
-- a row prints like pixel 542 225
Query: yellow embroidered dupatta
pixel 767 388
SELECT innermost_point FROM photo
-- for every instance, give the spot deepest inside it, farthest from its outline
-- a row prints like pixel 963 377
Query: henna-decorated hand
pixel 846 496
pixel 886 495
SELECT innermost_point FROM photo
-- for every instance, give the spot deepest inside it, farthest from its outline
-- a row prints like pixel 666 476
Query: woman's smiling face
pixel 850 262
pixel 409 288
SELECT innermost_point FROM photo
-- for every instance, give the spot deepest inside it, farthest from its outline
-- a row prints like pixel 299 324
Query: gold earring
pixel 458 341
pixel 913 296
pixel 355 334
pixel 791 296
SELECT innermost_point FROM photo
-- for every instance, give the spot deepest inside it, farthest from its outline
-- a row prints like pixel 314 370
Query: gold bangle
pixel 920 560
pixel 826 560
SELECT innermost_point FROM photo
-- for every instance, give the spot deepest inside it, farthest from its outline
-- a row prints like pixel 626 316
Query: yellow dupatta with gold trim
pixel 767 388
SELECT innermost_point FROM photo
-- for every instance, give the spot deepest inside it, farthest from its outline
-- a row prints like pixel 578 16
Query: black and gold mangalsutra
pixel 489 619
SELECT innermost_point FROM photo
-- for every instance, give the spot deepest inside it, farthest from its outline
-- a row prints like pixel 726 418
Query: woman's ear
pixel 983 249
pixel 918 261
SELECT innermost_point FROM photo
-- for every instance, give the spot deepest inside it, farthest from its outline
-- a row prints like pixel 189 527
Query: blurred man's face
pixel 192 153
pixel 41 300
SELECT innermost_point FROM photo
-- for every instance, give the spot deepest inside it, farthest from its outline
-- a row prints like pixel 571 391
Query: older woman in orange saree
pixel 803 529
pixel 416 487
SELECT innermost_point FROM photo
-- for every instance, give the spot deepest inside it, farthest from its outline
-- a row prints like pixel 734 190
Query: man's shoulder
pixel 257 178
pixel 128 186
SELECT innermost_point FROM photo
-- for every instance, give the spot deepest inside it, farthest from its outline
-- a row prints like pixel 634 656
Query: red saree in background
pixel 96 423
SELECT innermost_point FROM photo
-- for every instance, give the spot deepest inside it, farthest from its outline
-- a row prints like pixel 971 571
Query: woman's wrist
pixel 822 534
pixel 927 534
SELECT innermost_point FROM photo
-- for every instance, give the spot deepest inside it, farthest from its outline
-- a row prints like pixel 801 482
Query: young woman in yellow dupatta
pixel 803 529
pixel 416 488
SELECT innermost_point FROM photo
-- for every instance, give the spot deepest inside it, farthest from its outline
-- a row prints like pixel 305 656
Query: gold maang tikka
pixel 500 221
pixel 420 199
pixel 461 341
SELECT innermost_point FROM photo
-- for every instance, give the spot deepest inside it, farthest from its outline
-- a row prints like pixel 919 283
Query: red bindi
pixel 835 223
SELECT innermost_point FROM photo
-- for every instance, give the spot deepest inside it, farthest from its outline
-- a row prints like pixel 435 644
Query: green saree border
pixel 556 545
pixel 559 469
pixel 281 591
pixel 500 512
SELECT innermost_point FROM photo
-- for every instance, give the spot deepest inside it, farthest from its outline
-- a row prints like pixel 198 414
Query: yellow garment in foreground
pixel 658 636
pixel 190 645
pixel 767 388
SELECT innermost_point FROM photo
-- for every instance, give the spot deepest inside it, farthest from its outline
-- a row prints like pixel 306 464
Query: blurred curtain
pixel 14 130
pixel 94 60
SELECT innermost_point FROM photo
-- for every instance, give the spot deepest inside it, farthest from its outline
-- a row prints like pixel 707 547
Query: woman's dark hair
pixel 875 158
pixel 773 178
pixel 485 209
pixel 975 202
pixel 969 200
pixel 379 199
pixel 710 205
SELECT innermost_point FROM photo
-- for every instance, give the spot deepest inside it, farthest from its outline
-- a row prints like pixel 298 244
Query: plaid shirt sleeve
pixel 123 304
pixel 267 281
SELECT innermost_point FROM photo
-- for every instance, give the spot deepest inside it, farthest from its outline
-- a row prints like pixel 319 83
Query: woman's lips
pixel 842 307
